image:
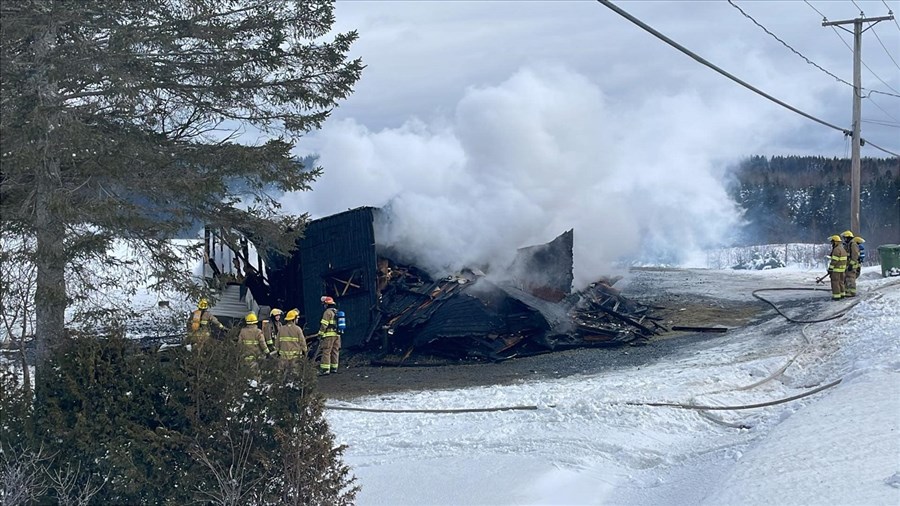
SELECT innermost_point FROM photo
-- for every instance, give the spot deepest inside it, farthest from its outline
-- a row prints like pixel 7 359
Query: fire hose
pixel 677 405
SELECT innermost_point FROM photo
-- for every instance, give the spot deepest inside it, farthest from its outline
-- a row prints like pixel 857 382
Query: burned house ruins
pixel 401 310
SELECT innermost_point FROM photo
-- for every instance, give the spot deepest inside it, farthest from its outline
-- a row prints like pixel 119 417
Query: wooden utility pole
pixel 857 97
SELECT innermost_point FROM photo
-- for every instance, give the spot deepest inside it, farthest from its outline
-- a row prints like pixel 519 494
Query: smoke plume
pixel 518 163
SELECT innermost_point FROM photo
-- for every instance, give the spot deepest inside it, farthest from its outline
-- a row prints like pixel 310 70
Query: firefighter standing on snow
pixel 252 341
pixel 198 324
pixel 853 268
pixel 329 337
pixel 291 342
pixel 837 265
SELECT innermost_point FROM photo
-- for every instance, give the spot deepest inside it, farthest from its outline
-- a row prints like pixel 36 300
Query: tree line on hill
pixel 788 199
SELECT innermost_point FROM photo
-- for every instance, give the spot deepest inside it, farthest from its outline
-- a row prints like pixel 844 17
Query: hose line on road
pixel 451 410
pixel 835 316
pixel 690 406
pixel 738 407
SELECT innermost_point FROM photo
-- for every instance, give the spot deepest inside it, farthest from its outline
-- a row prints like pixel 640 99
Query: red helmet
pixel 327 300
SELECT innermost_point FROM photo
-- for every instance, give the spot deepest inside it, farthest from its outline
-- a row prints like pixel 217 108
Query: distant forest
pixel 806 199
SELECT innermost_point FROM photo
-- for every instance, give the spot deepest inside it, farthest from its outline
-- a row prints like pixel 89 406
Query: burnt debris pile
pixel 468 316
pixel 396 308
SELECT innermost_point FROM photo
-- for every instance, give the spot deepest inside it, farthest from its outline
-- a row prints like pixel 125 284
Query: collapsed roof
pixel 399 308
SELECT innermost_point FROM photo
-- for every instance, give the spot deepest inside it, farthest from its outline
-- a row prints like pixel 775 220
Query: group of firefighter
pixel 279 339
pixel 845 264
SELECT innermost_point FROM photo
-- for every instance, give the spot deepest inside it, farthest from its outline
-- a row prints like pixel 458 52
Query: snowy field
pixel 592 439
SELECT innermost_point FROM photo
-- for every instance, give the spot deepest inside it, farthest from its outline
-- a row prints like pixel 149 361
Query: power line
pixel 890 13
pixel 817 10
pixel 825 19
pixel 703 61
pixel 608 4
pixel 889 115
pixel 870 70
pixel 879 148
pixel 785 44
pixel 885 47
pixel 861 13
pixel 881 123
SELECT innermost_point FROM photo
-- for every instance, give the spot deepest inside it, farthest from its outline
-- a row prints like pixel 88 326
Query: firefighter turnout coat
pixel 291 342
pixel 837 265
pixel 253 343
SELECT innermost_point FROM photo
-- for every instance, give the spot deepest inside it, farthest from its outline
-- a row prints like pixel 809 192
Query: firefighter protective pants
pixel 837 285
pixel 331 349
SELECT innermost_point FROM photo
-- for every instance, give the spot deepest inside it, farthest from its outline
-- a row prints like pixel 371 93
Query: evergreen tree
pixel 120 117
pixel 788 199
pixel 175 427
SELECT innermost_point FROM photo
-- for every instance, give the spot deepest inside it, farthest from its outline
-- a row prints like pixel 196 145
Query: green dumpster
pixel 890 259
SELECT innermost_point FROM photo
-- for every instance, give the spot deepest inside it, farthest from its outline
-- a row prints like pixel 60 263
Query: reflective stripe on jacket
pixel 328 323
pixel 291 342
pixel 253 341
pixel 838 259
pixel 853 262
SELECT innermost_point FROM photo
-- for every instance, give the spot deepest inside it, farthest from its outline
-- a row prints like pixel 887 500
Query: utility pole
pixel 857 97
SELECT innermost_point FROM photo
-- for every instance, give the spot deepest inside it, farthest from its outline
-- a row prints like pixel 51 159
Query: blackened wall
pixel 336 257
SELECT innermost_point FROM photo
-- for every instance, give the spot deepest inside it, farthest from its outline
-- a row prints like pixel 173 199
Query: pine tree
pixel 174 427
pixel 120 118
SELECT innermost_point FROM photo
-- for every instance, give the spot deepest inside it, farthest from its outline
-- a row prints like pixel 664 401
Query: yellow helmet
pixel 251 319
pixel 858 240
pixel 835 238
pixel 848 234
pixel 292 315
pixel 203 304
pixel 275 312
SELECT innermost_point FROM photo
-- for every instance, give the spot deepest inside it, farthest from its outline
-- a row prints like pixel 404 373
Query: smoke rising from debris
pixel 523 161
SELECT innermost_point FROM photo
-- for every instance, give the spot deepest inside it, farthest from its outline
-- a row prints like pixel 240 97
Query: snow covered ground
pixel 594 440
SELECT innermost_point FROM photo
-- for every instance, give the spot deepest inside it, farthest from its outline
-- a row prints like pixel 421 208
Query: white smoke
pixel 525 160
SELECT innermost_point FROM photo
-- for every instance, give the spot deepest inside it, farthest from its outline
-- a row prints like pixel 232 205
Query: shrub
pixel 182 426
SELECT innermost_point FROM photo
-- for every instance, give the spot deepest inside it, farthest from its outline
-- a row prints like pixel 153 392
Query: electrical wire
pixel 891 13
pixel 861 13
pixel 654 32
pixel 885 47
pixel 879 148
pixel 785 44
pixel 699 59
pixel 881 123
pixel 889 115
pixel 825 19
pixel 895 94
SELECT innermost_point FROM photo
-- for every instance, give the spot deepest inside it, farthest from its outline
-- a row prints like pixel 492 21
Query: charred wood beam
pixel 720 330
pixel 590 329
pixel 628 319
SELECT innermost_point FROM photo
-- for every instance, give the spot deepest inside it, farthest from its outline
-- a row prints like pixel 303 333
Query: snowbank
pixel 591 441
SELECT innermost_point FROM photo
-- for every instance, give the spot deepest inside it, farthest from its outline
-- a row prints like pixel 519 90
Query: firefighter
pixel 252 341
pixel 329 337
pixel 291 343
pixel 862 253
pixel 199 322
pixel 852 249
pixel 272 327
pixel 837 265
